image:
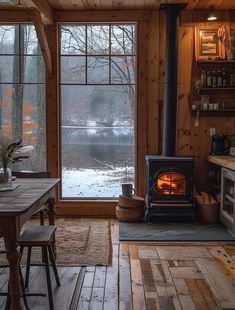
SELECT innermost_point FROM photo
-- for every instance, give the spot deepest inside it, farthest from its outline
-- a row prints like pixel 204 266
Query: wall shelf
pixel 219 112
pixel 216 62
pixel 216 89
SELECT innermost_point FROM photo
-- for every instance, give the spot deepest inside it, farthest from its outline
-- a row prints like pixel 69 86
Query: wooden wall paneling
pixel 203 143
pixel 184 89
pixel 200 141
pixel 186 18
pixel 153 84
pixel 142 105
pixel 162 39
pixel 52 112
pixel 198 18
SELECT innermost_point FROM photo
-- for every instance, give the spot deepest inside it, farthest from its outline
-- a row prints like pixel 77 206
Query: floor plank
pixel 153 276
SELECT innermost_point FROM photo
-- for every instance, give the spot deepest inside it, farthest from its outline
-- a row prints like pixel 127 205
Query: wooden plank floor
pixel 144 276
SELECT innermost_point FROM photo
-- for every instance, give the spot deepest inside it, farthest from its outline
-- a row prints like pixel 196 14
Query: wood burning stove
pixel 169 189
pixel 170 179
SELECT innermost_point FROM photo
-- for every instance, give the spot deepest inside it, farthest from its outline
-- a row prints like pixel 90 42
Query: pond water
pixel 96 161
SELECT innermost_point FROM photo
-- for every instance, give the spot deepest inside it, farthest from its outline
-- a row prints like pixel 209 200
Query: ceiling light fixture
pixel 211 14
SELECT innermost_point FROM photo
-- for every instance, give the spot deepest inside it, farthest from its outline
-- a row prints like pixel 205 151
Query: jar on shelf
pixel 232 80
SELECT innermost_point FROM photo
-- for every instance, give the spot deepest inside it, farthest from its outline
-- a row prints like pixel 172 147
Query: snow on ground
pixel 95 183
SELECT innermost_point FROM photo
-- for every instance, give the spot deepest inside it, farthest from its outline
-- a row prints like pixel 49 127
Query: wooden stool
pixel 40 236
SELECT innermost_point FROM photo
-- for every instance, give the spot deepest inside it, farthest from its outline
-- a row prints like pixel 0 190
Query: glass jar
pixel 6 178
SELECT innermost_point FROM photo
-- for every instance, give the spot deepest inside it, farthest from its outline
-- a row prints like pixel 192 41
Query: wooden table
pixel 16 207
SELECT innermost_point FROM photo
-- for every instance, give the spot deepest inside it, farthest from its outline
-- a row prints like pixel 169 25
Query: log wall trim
pixel 106 16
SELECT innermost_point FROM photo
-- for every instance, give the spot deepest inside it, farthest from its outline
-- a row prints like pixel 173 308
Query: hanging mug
pixel 128 190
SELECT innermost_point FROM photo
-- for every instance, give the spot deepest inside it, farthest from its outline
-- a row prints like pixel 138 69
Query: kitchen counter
pixel 227 161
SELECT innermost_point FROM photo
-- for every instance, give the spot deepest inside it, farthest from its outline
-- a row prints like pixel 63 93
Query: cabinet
pixel 227 206
pixel 213 101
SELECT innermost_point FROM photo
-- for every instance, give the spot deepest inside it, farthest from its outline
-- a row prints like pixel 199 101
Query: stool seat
pixel 37 236
pixel 40 236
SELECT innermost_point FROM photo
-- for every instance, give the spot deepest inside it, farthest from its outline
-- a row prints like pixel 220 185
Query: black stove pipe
pixel 171 70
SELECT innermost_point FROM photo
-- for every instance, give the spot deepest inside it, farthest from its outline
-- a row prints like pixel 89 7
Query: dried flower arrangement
pixel 11 153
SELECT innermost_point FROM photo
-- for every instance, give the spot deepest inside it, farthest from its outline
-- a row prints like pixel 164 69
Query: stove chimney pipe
pixel 171 71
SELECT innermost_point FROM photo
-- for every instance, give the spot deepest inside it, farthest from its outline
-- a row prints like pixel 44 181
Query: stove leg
pixel 147 217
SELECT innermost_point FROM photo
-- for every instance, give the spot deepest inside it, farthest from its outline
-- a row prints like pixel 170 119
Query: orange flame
pixel 171 184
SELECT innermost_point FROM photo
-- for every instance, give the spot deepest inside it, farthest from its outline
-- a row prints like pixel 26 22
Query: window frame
pixel 60 83
pixel 20 80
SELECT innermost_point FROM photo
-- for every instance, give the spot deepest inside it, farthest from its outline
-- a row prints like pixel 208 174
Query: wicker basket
pixel 129 215
pixel 131 202
pixel 208 209
pixel 208 213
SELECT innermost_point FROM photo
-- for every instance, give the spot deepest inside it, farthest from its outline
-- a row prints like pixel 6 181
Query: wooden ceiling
pixel 120 4
pixel 136 4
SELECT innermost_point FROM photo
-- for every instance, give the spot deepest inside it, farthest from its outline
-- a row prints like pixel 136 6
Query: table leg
pixel 13 257
pixel 51 211
pixel 51 218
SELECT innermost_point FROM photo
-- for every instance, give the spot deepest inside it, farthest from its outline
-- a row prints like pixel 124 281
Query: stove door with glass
pixel 169 190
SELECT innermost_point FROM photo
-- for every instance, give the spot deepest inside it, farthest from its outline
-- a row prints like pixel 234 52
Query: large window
pixel 22 95
pixel 97 109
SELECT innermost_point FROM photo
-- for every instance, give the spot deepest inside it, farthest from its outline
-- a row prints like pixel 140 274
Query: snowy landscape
pixel 94 182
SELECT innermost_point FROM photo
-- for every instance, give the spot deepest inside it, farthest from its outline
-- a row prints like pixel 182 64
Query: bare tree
pixel 110 50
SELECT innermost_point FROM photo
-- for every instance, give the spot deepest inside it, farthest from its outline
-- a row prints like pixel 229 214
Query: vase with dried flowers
pixel 10 153
pixel 6 152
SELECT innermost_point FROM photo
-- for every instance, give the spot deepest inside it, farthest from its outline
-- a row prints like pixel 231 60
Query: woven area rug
pixel 79 242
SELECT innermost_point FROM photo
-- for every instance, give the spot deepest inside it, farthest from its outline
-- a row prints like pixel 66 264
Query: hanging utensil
pixel 197 119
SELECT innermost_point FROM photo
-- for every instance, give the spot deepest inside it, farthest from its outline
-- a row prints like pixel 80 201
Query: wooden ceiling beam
pixel 30 16
pixel 15 16
pixel 41 34
pixel 43 7
pixel 101 16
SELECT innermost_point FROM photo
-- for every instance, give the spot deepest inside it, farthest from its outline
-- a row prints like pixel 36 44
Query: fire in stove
pixel 169 188
pixel 170 184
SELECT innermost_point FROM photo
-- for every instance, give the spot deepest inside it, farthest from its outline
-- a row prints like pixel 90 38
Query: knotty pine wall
pixel 191 141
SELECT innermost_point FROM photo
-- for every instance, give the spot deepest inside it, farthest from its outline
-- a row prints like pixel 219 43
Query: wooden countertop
pixel 227 161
